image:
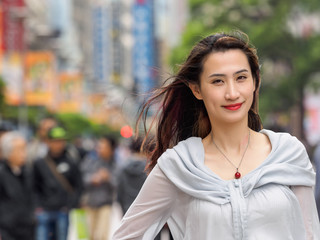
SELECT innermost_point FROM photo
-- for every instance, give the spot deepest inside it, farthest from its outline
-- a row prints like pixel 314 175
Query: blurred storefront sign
pixel 40 84
pixel 12 14
pixel 70 92
pixel 312 117
pixel 99 111
pixel 143 49
pixel 1 31
pixel 96 109
pixel 141 1
pixel 12 73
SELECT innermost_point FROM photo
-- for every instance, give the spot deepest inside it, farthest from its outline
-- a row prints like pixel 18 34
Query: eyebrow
pixel 222 75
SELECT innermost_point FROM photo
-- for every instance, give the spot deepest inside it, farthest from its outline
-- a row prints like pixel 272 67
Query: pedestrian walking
pixel 99 177
pixel 131 176
pixel 17 220
pixel 215 173
pixel 58 187
pixel 37 147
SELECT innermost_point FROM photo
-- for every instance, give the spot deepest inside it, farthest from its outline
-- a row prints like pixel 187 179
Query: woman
pixel 215 173
pixel 98 173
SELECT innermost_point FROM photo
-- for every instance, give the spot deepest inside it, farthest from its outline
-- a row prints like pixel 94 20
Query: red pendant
pixel 237 175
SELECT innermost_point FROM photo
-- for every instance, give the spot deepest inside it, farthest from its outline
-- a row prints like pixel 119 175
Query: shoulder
pixel 282 139
pixel 39 165
pixel 190 144
pixel 184 148
pixel 186 155
pixel 287 149
pixel 39 162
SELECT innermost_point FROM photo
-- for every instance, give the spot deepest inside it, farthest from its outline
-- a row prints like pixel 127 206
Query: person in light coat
pixel 215 173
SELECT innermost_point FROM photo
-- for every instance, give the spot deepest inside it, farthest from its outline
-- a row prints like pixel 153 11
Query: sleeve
pixel 77 184
pixel 306 199
pixel 150 210
pixel 36 183
pixel 120 191
pixel 114 175
pixel 87 171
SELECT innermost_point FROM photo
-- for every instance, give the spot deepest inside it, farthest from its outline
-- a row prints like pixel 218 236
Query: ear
pixel 195 90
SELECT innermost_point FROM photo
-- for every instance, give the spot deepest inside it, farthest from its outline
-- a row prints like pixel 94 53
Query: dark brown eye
pixel 217 81
pixel 242 77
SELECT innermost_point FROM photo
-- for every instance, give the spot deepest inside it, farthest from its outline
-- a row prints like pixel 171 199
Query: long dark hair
pixel 181 115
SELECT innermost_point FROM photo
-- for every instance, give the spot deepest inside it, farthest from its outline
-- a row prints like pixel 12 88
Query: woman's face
pixel 18 155
pixel 104 149
pixel 226 86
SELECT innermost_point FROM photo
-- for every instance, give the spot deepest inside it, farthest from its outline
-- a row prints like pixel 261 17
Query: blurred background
pixel 90 62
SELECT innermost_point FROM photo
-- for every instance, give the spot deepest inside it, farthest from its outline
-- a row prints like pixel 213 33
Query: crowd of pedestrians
pixel 45 179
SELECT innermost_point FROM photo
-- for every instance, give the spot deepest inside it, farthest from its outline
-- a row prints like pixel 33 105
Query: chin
pixel 235 119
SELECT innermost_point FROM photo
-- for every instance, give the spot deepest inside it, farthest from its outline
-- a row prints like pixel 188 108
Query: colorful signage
pixel 70 92
pixel 12 73
pixel 40 79
pixel 12 25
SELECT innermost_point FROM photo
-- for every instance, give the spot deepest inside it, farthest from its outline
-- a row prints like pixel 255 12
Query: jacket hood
pixel 287 164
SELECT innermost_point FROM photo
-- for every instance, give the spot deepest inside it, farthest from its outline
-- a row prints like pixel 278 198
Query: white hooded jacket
pixel 274 201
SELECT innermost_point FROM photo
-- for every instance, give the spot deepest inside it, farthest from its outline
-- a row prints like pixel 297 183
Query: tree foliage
pixel 79 125
pixel 76 124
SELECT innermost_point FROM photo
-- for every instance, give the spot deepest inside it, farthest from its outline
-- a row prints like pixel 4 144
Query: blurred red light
pixel 126 131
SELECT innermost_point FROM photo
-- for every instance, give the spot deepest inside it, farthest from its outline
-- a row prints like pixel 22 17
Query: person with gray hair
pixel 16 205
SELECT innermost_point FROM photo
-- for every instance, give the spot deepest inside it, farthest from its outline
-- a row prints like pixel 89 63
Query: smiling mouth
pixel 233 107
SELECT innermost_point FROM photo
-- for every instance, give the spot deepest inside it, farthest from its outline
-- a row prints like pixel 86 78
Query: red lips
pixel 233 107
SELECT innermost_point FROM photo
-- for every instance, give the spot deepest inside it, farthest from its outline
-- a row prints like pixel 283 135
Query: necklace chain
pixel 228 158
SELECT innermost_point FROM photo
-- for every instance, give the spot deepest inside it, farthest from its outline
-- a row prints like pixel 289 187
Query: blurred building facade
pixel 12 46
pixel 49 26
pixel 87 56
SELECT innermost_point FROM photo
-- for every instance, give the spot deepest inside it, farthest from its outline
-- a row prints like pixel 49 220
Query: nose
pixel 232 92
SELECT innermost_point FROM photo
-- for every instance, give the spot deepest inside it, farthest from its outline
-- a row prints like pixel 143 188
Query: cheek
pixel 249 89
pixel 212 97
pixel 250 96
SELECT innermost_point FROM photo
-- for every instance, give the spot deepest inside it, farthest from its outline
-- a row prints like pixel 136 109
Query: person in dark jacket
pixel 16 205
pixel 131 177
pixel 58 187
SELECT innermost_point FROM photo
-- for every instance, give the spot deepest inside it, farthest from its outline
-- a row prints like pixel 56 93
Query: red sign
pixel 12 25
pixel 141 1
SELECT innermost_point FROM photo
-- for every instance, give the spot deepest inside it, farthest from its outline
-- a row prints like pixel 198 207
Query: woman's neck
pixel 230 137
